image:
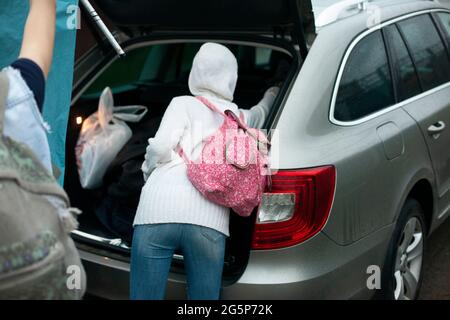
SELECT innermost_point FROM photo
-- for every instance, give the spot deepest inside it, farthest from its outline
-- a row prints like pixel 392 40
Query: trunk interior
pixel 151 75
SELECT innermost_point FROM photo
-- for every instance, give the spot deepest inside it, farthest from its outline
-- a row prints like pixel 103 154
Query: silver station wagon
pixel 360 140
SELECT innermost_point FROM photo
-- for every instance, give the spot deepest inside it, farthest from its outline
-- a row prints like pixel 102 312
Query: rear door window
pixel 366 84
pixel 445 20
pixel 407 81
pixel 427 49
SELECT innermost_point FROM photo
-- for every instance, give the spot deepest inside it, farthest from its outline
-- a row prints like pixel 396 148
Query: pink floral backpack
pixel 233 168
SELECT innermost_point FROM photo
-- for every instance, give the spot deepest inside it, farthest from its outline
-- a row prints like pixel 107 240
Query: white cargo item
pixel 102 136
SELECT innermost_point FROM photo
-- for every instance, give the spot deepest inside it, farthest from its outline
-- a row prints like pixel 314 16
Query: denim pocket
pixel 211 234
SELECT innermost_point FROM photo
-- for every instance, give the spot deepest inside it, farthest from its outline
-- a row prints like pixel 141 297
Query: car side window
pixel 140 65
pixel 427 49
pixel 262 57
pixel 407 81
pixel 366 84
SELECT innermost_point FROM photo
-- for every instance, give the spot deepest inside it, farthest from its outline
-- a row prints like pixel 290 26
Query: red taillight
pixel 295 209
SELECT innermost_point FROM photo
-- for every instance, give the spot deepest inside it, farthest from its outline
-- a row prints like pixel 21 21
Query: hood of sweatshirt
pixel 214 72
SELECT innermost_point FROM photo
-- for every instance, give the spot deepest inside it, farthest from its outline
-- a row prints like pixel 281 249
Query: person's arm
pixel 39 34
pixel 160 149
pixel 256 116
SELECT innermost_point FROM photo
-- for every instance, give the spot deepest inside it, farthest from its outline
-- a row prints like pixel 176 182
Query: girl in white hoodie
pixel 172 214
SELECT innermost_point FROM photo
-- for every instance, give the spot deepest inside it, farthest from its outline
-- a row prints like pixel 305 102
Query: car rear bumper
pixel 316 269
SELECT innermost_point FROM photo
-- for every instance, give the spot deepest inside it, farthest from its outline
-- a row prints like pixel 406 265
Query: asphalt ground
pixel 436 277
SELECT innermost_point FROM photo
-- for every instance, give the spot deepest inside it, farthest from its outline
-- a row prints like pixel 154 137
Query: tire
pixel 402 272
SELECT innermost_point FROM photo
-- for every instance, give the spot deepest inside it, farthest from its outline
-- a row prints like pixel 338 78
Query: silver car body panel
pixel 301 272
pixel 361 205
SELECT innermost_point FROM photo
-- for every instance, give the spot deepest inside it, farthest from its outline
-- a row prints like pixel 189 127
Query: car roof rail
pixel 334 12
pixel 346 8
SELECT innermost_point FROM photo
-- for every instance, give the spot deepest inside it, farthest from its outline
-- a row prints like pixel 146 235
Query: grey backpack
pixel 38 259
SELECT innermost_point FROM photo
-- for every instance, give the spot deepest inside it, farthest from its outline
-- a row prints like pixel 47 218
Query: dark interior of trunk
pixel 152 76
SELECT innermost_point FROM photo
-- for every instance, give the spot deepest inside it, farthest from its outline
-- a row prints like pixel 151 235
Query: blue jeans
pixel 151 256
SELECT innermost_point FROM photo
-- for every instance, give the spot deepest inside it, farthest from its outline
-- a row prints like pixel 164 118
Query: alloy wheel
pixel 408 262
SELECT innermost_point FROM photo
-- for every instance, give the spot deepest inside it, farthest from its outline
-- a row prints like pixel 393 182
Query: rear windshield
pixel 170 64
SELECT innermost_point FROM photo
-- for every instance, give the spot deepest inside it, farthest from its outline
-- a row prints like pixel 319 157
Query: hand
pixel 273 91
pixel 281 73
pixel 146 170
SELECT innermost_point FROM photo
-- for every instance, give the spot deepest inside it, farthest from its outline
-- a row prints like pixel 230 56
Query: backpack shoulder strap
pixel 4 89
pixel 211 106
pixel 241 116
pixel 240 120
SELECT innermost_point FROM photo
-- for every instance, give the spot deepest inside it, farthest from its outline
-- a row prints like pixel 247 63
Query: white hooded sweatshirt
pixel 168 196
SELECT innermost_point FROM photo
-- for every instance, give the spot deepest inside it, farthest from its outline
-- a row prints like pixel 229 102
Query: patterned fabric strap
pixel 211 106
pixel 254 133
pixel 239 120
pixel 183 155
pixel 241 116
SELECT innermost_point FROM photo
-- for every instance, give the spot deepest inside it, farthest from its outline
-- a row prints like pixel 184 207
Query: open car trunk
pixel 151 75
pixel 155 70
pixel 293 18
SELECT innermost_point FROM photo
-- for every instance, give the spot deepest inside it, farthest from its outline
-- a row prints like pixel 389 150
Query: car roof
pixel 335 37
pixel 329 13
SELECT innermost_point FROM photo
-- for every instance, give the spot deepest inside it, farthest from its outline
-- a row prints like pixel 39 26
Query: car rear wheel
pixel 402 274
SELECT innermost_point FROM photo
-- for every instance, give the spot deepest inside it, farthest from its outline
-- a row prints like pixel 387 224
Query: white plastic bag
pixel 102 136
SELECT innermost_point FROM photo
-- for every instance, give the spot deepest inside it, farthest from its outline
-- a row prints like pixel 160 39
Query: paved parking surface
pixel 436 281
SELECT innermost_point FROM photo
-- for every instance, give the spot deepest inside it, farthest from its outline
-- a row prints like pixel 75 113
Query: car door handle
pixel 436 128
